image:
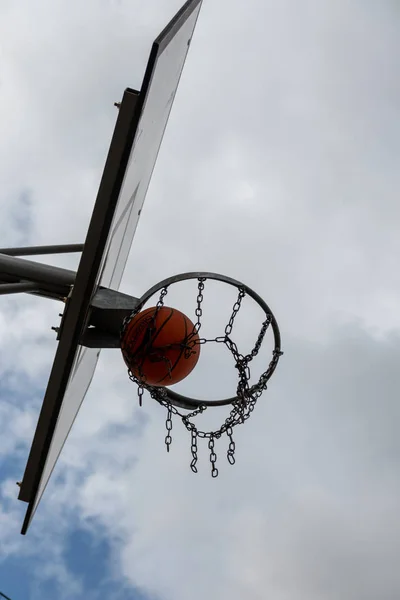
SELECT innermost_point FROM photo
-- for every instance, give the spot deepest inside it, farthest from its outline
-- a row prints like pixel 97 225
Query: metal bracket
pixel 108 310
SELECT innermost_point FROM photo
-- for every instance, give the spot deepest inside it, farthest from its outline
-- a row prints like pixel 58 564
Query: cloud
pixel 308 510
pixel 277 168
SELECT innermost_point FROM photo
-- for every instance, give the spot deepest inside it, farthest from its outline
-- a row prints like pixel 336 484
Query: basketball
pixel 160 347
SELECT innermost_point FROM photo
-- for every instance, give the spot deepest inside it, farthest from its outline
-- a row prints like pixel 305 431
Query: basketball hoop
pixel 247 394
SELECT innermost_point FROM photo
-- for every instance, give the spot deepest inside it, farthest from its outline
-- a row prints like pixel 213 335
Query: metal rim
pixel 193 403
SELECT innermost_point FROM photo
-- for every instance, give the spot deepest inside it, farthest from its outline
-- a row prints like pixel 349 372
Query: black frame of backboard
pixel 77 309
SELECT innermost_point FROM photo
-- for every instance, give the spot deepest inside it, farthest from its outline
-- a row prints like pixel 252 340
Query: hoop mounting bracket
pixel 108 310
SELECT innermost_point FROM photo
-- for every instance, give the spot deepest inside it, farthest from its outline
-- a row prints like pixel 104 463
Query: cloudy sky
pixel 279 167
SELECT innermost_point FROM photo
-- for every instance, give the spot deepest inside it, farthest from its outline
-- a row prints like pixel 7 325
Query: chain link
pixel 140 394
pixel 163 293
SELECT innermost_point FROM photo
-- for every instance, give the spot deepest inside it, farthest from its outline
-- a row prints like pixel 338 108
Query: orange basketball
pixel 160 346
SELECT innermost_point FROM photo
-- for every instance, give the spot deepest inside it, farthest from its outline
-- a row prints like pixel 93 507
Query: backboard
pixel 137 137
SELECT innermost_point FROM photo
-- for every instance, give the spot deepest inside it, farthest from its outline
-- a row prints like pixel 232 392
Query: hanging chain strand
pixel 213 457
pixel 247 395
pixel 200 298
pixel 168 426
pixel 193 449
pixel 235 310
pixel 231 448
pixel 163 293
pixel 140 391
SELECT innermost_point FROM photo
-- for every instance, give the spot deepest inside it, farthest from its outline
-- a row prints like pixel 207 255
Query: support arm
pixel 49 281
pixel 41 250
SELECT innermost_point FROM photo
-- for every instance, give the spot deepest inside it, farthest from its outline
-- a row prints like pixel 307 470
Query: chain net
pixel 246 395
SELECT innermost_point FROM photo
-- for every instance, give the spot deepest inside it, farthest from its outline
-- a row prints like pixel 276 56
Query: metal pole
pixel 50 282
pixel 4 596
pixel 36 250
pixel 27 270
pixel 17 288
